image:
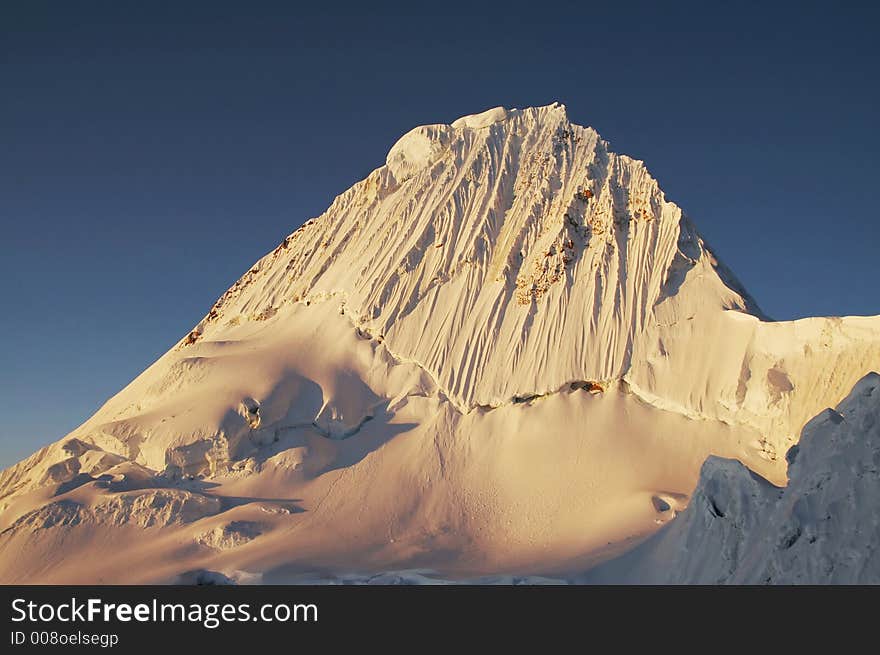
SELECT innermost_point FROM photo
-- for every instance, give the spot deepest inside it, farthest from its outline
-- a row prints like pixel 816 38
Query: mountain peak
pixel 502 335
pixel 423 145
pixel 519 224
pixel 498 114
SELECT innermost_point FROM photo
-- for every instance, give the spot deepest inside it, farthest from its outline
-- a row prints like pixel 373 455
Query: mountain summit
pixel 504 351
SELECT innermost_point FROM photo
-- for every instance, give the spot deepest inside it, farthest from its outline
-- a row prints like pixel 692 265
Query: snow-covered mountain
pixel 503 352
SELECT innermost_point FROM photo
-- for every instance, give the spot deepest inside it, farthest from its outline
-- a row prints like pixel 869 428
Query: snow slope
pixel 503 352
pixel 823 527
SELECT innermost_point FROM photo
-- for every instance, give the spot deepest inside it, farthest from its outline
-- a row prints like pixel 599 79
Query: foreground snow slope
pixel 824 527
pixel 504 351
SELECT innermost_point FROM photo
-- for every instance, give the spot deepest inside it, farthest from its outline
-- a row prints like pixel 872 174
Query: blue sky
pixel 151 152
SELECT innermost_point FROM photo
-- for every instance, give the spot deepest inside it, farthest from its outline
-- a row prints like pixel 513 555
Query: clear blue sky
pixel 150 152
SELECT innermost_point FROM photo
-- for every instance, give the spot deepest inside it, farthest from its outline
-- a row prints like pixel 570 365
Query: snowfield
pixel 823 527
pixel 502 356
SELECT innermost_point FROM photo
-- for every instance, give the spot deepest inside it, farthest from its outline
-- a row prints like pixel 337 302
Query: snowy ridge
pixel 507 320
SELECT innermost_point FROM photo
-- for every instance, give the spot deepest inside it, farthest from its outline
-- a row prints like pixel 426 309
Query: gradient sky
pixel 150 152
